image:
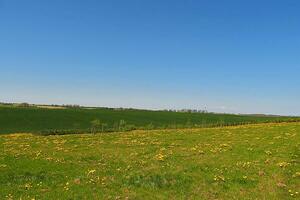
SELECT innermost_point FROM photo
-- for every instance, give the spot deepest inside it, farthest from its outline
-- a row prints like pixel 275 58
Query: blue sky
pixel 226 56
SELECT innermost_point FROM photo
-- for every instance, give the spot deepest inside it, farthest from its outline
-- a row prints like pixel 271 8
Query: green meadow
pixel 239 162
pixel 62 120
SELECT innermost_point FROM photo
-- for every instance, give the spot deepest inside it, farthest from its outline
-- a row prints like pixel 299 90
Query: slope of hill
pixel 38 119
pixel 241 162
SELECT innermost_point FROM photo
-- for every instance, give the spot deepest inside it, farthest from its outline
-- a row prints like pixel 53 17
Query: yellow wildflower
pixel 92 171
pixel 160 157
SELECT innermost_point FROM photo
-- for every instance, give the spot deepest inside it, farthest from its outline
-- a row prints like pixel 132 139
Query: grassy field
pixel 36 119
pixel 241 162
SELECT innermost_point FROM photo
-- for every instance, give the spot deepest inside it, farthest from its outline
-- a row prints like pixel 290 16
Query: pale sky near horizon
pixel 226 56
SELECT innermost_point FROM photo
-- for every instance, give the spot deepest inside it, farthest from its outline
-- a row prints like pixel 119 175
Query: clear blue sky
pixel 240 56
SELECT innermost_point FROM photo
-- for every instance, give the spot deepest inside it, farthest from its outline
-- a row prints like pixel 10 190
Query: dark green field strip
pixel 33 119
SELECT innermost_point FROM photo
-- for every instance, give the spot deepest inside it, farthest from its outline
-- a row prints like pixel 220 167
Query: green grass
pixel 33 119
pixel 240 162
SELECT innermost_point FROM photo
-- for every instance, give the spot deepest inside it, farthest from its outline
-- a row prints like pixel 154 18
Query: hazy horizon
pixel 228 57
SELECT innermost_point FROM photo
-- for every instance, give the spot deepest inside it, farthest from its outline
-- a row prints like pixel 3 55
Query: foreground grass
pixel 242 162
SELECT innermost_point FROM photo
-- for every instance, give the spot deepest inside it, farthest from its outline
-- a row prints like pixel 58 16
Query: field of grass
pixel 36 119
pixel 241 162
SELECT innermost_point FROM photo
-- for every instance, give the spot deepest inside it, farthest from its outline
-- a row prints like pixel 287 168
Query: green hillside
pixel 33 119
pixel 241 162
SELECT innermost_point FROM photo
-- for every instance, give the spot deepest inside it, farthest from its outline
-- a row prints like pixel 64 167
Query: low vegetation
pixel 240 162
pixel 75 119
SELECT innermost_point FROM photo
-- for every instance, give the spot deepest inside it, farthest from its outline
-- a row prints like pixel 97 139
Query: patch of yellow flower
pixel 297 174
pixel 66 187
pixel 160 157
pixel 92 171
pixel 28 186
pixel 219 178
pixel 3 165
pixel 9 197
pixel 283 164
pixel 193 148
pixel 268 153
pixel 244 164
pixel 293 193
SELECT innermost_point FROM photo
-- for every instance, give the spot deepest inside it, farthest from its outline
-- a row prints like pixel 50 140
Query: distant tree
pixel 95 125
pixel 24 104
pixel 116 126
pixel 103 126
pixel 122 125
pixel 150 126
pixel 189 124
